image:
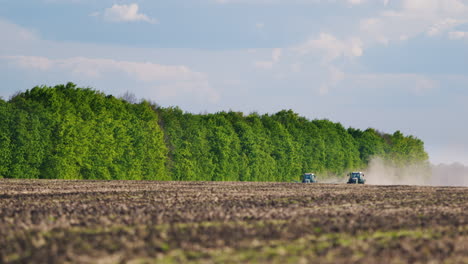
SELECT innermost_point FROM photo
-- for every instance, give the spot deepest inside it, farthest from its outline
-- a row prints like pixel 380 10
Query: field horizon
pixel 59 221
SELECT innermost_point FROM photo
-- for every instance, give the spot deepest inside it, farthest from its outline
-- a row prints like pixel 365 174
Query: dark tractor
pixel 356 178
pixel 309 178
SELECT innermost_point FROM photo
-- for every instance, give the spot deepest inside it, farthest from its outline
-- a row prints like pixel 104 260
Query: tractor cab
pixel 356 178
pixel 309 177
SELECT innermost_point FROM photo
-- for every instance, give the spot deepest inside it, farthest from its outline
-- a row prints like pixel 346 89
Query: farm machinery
pixel 309 178
pixel 356 178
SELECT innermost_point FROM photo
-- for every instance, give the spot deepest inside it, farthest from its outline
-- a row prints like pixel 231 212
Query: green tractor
pixel 309 178
pixel 356 178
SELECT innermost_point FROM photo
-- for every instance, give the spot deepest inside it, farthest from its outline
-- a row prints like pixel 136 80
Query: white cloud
pixel 30 62
pixel 356 2
pixel 80 64
pixel 420 5
pixel 424 85
pixel 352 2
pixel 296 67
pixel 9 30
pixel 92 67
pixel 201 90
pixel 276 54
pixel 331 48
pixel 167 80
pixel 325 49
pixel 444 25
pixel 268 64
pixel 334 76
pixel 125 13
pixel 458 35
pixel 434 6
pixel 414 17
pixel 264 64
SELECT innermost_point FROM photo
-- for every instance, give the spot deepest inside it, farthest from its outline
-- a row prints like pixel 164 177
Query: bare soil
pixel 52 221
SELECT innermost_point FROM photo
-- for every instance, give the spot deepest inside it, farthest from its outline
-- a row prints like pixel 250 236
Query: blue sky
pixel 387 64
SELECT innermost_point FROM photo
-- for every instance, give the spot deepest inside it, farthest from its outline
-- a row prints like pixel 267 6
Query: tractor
pixel 356 178
pixel 309 178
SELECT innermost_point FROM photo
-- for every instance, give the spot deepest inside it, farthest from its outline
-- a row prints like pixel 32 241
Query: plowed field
pixel 48 221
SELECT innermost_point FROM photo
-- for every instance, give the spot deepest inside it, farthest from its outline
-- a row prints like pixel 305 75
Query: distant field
pixel 51 221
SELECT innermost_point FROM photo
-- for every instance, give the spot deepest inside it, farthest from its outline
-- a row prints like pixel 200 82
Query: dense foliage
pixel 67 132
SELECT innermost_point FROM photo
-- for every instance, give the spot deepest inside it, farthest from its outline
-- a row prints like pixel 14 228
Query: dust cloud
pixel 455 174
pixel 381 172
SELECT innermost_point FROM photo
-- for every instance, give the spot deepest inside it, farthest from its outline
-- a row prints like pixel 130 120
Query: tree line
pixel 66 132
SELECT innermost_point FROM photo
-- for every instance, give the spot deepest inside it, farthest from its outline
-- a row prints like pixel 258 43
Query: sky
pixel 386 64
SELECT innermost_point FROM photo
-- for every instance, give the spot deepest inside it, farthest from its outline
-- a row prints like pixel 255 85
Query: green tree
pixel 67 132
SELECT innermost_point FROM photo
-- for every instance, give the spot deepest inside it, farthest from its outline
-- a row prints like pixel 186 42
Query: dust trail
pixel 455 174
pixel 381 172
